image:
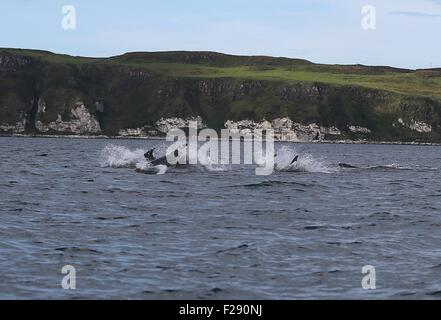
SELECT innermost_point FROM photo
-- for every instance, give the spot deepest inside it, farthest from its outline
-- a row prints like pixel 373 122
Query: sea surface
pixel 218 232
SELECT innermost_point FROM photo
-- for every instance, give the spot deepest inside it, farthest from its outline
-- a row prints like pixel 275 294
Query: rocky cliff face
pixel 418 126
pixel 81 123
pixel 162 127
pixel 19 127
pixel 43 97
pixel 9 62
pixel 284 129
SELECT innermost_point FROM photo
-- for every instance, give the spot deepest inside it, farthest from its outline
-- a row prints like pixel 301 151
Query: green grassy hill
pixel 137 89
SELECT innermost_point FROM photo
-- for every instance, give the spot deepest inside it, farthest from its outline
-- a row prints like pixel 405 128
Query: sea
pixel 346 221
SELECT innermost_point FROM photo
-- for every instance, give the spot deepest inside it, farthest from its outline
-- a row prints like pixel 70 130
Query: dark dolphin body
pixel 347 166
pixel 163 160
pixel 294 160
pixel 149 155
pixel 158 161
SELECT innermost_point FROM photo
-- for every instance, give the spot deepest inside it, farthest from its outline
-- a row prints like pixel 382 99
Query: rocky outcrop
pixel 418 126
pixel 135 132
pixel 161 127
pixel 82 122
pixel 309 132
pixel 12 62
pixel 332 131
pixel 284 129
pixel 41 106
pixel 239 126
pixel 165 125
pixel 358 129
pixel 19 127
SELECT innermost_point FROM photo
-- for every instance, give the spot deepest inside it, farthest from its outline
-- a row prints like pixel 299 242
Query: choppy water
pixel 218 232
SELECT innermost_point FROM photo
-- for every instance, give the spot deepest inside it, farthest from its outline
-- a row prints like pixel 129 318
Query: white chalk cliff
pixel 82 122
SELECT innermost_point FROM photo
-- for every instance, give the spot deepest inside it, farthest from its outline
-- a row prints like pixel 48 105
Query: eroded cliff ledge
pixel 146 94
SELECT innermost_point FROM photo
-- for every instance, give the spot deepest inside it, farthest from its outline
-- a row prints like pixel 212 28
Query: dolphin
pixel 347 166
pixel 296 158
pixel 149 155
pixel 161 161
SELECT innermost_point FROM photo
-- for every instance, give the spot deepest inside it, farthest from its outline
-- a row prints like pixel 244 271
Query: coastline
pixel 104 137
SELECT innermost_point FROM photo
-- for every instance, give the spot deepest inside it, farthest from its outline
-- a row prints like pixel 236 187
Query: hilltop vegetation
pixel 137 89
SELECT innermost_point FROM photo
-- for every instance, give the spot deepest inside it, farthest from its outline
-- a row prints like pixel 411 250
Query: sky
pixel 407 32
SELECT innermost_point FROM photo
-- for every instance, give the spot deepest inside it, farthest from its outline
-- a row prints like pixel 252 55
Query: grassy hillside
pixel 138 88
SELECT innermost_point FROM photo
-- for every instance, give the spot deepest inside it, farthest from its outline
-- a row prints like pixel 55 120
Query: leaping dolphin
pixel 158 161
pixel 278 168
pixel 149 155
pixel 296 158
pixel 153 161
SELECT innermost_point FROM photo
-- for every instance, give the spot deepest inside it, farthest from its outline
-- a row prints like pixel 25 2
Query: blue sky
pixel 325 31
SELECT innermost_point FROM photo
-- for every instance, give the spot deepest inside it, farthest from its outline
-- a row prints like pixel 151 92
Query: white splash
pixel 161 169
pixel 308 163
pixel 305 163
pixel 211 165
pixel 121 157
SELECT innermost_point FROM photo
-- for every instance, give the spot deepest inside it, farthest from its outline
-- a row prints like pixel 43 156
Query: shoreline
pixel 104 137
